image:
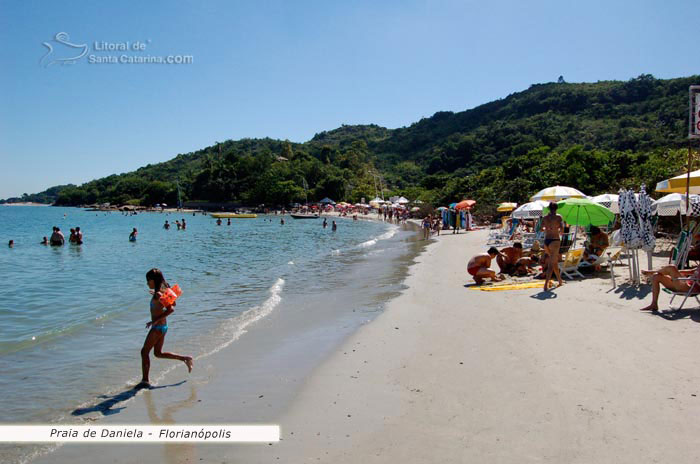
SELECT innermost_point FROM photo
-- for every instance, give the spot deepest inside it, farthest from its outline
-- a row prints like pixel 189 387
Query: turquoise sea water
pixel 72 318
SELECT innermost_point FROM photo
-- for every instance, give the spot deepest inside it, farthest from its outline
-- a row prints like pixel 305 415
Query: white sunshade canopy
pixel 530 210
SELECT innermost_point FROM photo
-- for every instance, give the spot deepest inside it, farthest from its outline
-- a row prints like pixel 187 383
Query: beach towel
pixel 508 286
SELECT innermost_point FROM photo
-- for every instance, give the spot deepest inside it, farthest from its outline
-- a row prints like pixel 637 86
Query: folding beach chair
pixel 692 291
pixel 569 266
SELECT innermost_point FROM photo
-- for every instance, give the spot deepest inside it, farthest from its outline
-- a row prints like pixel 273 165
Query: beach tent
pixel 530 210
pixel 678 184
pixel 464 204
pixel 505 207
pixel 557 193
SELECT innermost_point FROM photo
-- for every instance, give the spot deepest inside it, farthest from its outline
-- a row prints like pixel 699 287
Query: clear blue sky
pixel 290 69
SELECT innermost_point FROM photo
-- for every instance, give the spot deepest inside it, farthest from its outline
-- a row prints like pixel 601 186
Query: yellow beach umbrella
pixel 678 184
pixel 557 193
pixel 503 207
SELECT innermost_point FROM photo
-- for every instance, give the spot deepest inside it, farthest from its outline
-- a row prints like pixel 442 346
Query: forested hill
pixel 592 136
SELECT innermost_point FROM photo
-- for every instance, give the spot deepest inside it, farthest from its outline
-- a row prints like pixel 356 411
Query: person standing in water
pixel 229 222
pixel 334 227
pixel 133 234
pixel 57 238
pixel 45 241
pixel 159 327
pixel 78 236
pixel 184 224
pixel 166 226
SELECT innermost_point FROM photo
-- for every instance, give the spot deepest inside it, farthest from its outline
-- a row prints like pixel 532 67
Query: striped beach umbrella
pixel 557 193
pixel 678 184
pixel 503 207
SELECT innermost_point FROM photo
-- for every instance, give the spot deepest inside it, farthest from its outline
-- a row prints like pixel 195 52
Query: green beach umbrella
pixel 583 212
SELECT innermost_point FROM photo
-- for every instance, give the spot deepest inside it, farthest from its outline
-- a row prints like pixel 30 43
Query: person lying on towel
pixel 668 277
pixel 479 267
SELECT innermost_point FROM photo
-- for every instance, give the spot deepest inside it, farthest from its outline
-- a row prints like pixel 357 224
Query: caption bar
pixel 140 433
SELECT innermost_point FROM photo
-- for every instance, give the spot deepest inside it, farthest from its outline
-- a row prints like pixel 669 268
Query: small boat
pixel 304 216
pixel 233 215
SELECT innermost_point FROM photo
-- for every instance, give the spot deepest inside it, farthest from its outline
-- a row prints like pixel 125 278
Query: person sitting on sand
pixel 479 267
pixel 524 266
pixel 669 276
pixel 508 257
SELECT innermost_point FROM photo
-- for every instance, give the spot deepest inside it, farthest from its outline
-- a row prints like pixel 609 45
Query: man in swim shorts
pixel 479 267
pixel 553 225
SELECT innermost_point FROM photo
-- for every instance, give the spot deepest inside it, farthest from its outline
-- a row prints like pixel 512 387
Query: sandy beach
pixel 451 374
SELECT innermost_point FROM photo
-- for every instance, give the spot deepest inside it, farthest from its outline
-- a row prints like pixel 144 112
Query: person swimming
pixel 158 328
pixel 45 241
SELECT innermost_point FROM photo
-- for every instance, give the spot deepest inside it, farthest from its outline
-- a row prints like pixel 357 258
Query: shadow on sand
pixel 630 292
pixel 106 407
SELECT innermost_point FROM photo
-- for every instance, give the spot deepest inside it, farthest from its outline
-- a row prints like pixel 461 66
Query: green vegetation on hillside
pixel 595 137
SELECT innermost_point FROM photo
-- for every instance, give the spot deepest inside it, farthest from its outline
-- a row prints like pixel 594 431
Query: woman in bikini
pixel 159 327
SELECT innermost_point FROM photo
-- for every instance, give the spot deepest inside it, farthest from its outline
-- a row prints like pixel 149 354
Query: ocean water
pixel 73 317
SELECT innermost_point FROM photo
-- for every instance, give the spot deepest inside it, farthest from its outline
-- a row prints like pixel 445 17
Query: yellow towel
pixel 509 286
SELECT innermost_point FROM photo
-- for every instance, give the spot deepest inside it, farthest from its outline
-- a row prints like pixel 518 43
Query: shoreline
pixel 449 374
pixel 234 374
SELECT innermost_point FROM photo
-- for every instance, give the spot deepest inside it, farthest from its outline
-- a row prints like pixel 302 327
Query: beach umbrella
pixel 557 193
pixel 672 204
pixel 504 207
pixel 678 184
pixel 609 200
pixel 583 212
pixel 327 201
pixel 415 208
pixel 402 201
pixel 644 216
pixel 530 210
pixel 441 208
pixel 464 204
pixel 452 205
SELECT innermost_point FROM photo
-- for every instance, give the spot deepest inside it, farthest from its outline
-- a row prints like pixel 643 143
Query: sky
pixel 290 69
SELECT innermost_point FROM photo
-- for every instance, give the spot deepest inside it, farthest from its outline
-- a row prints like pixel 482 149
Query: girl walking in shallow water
pixel 159 327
